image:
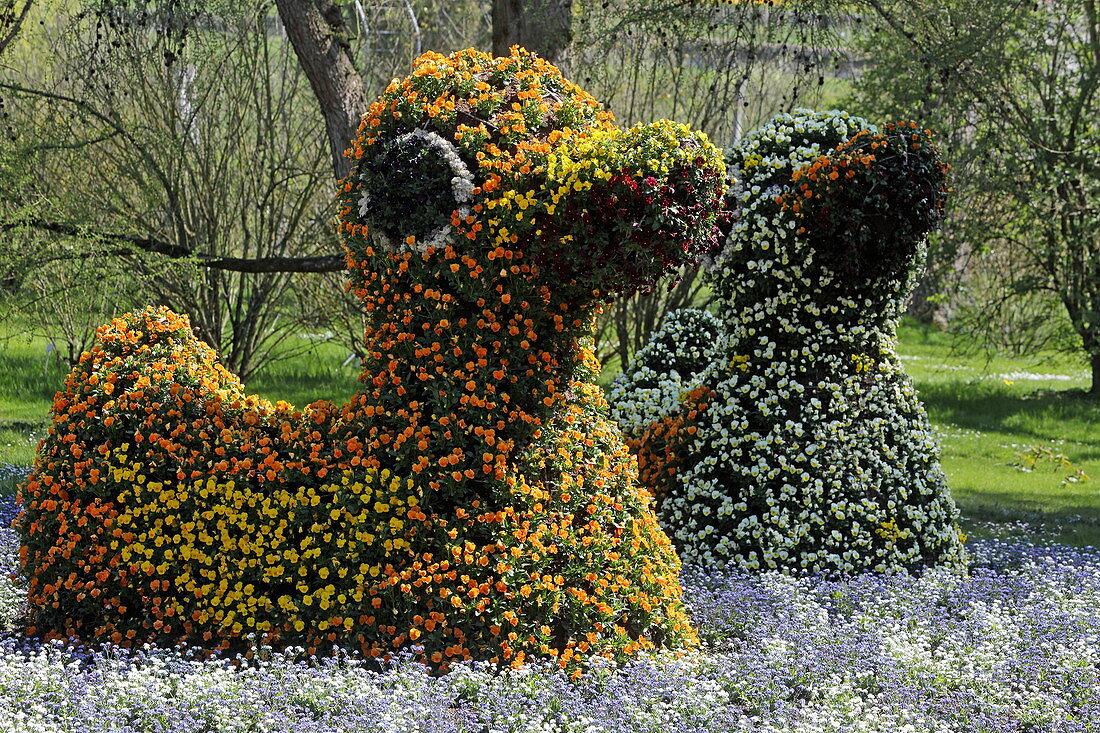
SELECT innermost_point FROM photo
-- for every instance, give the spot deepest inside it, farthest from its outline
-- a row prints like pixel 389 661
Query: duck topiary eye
pixel 412 187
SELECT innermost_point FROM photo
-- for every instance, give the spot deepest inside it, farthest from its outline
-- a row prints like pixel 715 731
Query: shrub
pixel 472 500
pixel 797 442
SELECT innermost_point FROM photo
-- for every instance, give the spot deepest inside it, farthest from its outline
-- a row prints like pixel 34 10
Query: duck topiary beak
pixel 628 207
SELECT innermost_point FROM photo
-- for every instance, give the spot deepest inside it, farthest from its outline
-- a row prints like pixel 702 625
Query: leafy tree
pixel 1015 87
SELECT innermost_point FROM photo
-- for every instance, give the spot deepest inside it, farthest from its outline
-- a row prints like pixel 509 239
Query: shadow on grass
pixel 977 506
pixel 981 522
pixel 991 407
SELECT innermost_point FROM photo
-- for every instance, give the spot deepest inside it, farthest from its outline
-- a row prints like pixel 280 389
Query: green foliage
pixel 145 140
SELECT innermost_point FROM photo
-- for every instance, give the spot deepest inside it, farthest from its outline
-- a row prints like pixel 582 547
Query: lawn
pixel 1020 441
pixel 1021 445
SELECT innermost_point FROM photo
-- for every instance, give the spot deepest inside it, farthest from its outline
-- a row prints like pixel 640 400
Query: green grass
pixel 988 410
pixel 317 374
pixel 29 377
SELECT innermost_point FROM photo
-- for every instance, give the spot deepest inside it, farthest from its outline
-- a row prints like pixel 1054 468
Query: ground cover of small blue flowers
pixel 1013 646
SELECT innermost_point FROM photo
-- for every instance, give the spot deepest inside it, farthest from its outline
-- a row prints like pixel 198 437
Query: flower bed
pixel 1012 647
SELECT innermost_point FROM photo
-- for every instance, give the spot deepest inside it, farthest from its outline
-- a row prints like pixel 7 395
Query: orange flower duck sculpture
pixel 472 500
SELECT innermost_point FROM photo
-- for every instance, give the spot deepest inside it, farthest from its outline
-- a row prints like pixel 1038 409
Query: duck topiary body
pixel 472 500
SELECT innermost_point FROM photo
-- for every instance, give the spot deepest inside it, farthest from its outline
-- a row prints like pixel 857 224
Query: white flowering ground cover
pixel 1012 646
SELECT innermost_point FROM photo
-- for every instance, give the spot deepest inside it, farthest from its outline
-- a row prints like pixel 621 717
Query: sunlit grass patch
pixel 320 370
pixel 1020 439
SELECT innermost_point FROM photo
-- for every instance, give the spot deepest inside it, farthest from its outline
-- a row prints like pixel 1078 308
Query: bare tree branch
pixel 542 26
pixel 322 263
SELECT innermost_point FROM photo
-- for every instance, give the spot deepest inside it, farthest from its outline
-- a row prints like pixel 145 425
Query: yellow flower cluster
pixel 228 557
pixel 863 363
pixel 740 361
pixel 653 149
pixel 890 531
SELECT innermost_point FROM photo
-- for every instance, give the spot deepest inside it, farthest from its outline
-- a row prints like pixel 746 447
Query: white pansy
pixel 809 412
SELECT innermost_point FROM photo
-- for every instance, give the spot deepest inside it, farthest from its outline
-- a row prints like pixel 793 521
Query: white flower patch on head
pixel 462 189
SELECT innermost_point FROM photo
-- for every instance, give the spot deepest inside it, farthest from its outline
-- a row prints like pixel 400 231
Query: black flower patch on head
pixel 412 187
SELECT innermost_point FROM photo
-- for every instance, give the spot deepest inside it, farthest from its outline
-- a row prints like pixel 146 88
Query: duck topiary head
pixel 833 209
pixel 483 171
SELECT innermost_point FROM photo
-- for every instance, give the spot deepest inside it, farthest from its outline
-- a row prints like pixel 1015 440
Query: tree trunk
pixel 318 32
pixel 542 26
pixel 1094 390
